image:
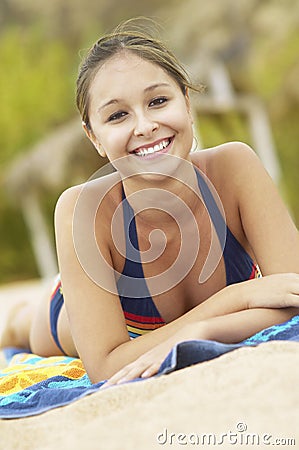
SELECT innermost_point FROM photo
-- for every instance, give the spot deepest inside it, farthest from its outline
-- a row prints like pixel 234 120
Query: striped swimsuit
pixel 141 313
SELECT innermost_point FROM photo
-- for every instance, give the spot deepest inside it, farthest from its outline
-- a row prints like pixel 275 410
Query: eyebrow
pixel 147 89
pixel 155 86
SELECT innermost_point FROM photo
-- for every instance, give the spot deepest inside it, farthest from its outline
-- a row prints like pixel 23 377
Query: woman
pixel 166 248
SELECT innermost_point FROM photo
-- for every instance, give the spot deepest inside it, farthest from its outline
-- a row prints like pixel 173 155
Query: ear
pixel 101 151
pixel 188 104
pixel 93 139
pixel 89 133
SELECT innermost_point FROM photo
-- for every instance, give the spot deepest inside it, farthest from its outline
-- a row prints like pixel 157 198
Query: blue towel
pixel 70 382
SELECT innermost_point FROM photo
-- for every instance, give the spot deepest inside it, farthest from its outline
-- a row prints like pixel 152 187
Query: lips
pixel 155 147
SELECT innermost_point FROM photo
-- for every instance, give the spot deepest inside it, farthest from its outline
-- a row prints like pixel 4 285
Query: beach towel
pixel 31 384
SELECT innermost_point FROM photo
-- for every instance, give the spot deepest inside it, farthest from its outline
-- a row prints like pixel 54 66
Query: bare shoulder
pixel 253 205
pixel 86 195
pixel 230 159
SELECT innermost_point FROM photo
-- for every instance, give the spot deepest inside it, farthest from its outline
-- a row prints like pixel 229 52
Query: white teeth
pixel 156 148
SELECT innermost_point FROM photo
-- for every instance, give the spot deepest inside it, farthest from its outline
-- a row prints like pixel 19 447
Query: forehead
pixel 127 71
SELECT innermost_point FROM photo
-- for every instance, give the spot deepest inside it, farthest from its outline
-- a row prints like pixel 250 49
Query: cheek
pixel 114 140
pixel 184 125
pixel 180 118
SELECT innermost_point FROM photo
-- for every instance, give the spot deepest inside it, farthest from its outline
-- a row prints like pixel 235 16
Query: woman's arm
pixel 266 222
pixel 229 316
pixel 231 328
pixel 238 326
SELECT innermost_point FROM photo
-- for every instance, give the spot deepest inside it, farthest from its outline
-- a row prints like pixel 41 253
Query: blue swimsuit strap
pixel 217 218
pixel 132 246
pixel 133 265
pixel 238 263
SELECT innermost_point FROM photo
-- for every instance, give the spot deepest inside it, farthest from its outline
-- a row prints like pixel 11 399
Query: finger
pixel 293 300
pixel 116 377
pixel 134 371
pixel 151 371
pixel 128 373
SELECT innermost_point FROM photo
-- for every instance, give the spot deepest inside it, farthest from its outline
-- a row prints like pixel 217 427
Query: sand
pixel 250 395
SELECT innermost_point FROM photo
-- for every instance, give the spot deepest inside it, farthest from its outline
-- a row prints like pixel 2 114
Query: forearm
pixel 224 302
pixel 229 300
pixel 227 313
pixel 238 326
pixel 231 328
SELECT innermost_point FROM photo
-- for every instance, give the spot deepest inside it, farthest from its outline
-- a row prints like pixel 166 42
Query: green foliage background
pixel 35 88
pixel 39 63
pixel 37 93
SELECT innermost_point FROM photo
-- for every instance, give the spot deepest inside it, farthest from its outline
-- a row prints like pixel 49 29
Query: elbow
pixel 95 378
pixel 97 374
pixel 99 370
pixel 105 367
pixel 292 311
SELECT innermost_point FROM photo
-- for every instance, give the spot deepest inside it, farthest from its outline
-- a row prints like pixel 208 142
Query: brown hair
pixel 128 36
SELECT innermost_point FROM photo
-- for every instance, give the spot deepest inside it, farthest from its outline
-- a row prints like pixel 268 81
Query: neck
pixel 157 198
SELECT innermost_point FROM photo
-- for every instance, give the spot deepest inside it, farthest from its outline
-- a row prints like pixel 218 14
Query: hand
pixel 149 363
pixel 272 291
pixel 145 366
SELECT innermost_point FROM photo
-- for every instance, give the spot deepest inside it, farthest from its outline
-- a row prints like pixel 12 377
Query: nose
pixel 144 126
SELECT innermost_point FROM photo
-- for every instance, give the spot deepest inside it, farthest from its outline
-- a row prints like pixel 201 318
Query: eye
pixel 117 116
pixel 158 101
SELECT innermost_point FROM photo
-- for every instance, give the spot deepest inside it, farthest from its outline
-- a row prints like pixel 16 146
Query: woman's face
pixel 137 109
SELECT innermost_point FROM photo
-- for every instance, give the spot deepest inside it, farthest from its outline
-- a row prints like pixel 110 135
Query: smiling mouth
pixel 144 151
